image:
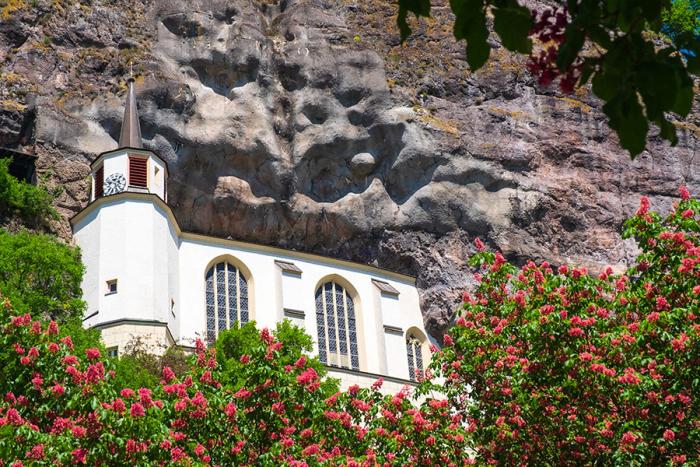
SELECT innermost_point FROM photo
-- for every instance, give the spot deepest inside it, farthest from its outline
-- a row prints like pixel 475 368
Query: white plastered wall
pixel 130 241
pixel 298 293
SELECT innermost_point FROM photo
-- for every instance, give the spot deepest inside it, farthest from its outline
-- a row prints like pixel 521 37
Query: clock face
pixel 115 183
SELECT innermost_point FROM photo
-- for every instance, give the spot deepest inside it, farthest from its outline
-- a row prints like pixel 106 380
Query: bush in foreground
pixel 553 367
pixel 65 408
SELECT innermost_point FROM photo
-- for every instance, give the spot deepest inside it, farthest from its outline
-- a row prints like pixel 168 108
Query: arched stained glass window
pixel 227 298
pixel 337 328
pixel 415 357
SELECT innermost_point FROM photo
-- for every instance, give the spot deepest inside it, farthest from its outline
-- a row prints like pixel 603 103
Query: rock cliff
pixel 306 124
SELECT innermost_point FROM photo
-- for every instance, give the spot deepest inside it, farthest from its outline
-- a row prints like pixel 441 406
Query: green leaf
pixel 470 24
pixel 668 131
pixel 693 65
pixel 418 7
pixel 571 47
pixel 605 85
pixel 628 120
pixel 513 24
pixel 684 94
pixel 657 98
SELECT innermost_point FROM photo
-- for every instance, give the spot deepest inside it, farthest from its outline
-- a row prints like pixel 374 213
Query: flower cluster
pixel 554 365
pixel 268 406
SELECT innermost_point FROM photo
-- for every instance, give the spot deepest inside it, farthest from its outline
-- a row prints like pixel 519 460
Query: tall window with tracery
pixel 227 298
pixel 415 357
pixel 337 328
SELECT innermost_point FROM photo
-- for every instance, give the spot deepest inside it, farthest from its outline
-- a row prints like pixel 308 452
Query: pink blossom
pixel 118 405
pixel 479 245
pixel 168 374
pixel 70 360
pixel 230 410
pixel 92 353
pixel 79 456
pixel 300 362
pixel 13 417
pixel 685 194
pixel 669 435
pixel 585 356
pixel 629 438
pixel 310 450
pixel 242 393
pixel 643 206
pixel 308 376
pixel 36 453
pixel 137 410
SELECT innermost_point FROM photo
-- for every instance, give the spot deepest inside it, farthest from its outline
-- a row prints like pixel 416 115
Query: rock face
pixel 305 124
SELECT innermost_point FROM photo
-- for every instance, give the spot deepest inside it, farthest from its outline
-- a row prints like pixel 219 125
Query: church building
pixel 147 278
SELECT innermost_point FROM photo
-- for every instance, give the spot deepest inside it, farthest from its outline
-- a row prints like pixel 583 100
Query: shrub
pixel 32 204
pixel 681 19
pixel 559 367
pixel 64 407
pixel 41 275
pixel 139 367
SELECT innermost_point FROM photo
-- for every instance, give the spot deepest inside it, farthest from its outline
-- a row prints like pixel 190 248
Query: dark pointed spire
pixel 131 129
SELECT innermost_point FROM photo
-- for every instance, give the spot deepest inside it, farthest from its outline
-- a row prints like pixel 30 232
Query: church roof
pixel 130 136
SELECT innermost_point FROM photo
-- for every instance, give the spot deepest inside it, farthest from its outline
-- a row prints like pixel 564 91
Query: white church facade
pixel 146 277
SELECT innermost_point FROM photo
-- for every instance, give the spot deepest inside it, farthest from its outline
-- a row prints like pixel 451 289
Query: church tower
pixel 128 244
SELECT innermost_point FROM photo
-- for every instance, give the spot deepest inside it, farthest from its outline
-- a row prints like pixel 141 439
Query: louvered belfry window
pixel 415 357
pixel 227 299
pixel 99 182
pixel 138 171
pixel 337 329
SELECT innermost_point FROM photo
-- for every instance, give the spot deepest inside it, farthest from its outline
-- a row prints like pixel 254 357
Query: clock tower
pixel 128 244
pixel 129 167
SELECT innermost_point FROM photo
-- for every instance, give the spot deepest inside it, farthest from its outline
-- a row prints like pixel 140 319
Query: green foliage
pixel 559 367
pixel 681 19
pixel 139 367
pixel 30 203
pixel 64 406
pixel 236 344
pixel 641 83
pixel 81 339
pixel 41 275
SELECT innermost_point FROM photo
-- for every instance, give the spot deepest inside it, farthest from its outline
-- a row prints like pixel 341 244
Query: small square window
pixel 113 352
pixel 111 286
